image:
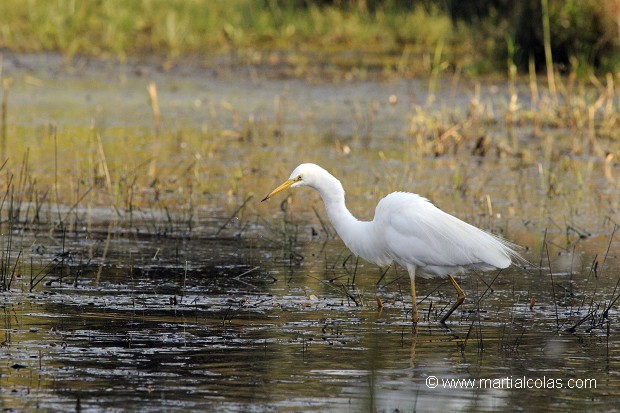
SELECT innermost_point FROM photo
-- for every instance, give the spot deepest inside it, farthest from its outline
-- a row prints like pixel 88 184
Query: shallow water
pixel 146 309
pixel 193 332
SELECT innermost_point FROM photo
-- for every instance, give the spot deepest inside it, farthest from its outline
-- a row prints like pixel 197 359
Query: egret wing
pixel 416 232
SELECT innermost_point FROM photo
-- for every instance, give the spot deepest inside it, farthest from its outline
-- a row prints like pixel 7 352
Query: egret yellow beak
pixel 285 185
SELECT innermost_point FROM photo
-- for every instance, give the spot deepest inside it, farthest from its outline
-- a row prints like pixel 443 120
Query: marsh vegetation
pixel 134 247
pixel 139 269
pixel 407 38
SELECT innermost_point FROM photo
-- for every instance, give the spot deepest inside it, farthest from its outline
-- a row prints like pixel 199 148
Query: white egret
pixel 407 229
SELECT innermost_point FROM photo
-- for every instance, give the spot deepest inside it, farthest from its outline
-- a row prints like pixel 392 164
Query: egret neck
pixel 356 234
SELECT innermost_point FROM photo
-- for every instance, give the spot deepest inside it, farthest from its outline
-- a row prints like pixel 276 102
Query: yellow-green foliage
pixel 174 27
pixel 582 32
pixel 422 27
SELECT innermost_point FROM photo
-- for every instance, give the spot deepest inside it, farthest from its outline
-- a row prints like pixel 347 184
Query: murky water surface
pixel 267 311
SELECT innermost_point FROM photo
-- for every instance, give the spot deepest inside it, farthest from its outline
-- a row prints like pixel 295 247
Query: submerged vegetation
pixel 412 37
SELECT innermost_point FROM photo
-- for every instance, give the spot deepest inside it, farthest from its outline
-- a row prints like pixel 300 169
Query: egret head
pixel 306 174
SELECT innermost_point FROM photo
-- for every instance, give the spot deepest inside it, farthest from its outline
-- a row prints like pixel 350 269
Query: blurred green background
pixel 475 36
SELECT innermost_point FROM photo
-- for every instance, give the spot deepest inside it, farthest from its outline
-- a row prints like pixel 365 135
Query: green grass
pixel 174 28
pixel 581 35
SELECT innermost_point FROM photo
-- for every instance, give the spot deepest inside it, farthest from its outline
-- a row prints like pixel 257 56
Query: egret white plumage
pixel 409 230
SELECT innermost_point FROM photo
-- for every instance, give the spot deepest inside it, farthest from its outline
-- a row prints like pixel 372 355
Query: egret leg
pixel 414 301
pixel 459 299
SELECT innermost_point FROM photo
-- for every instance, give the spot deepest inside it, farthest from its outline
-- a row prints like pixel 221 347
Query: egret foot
pixel 459 299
